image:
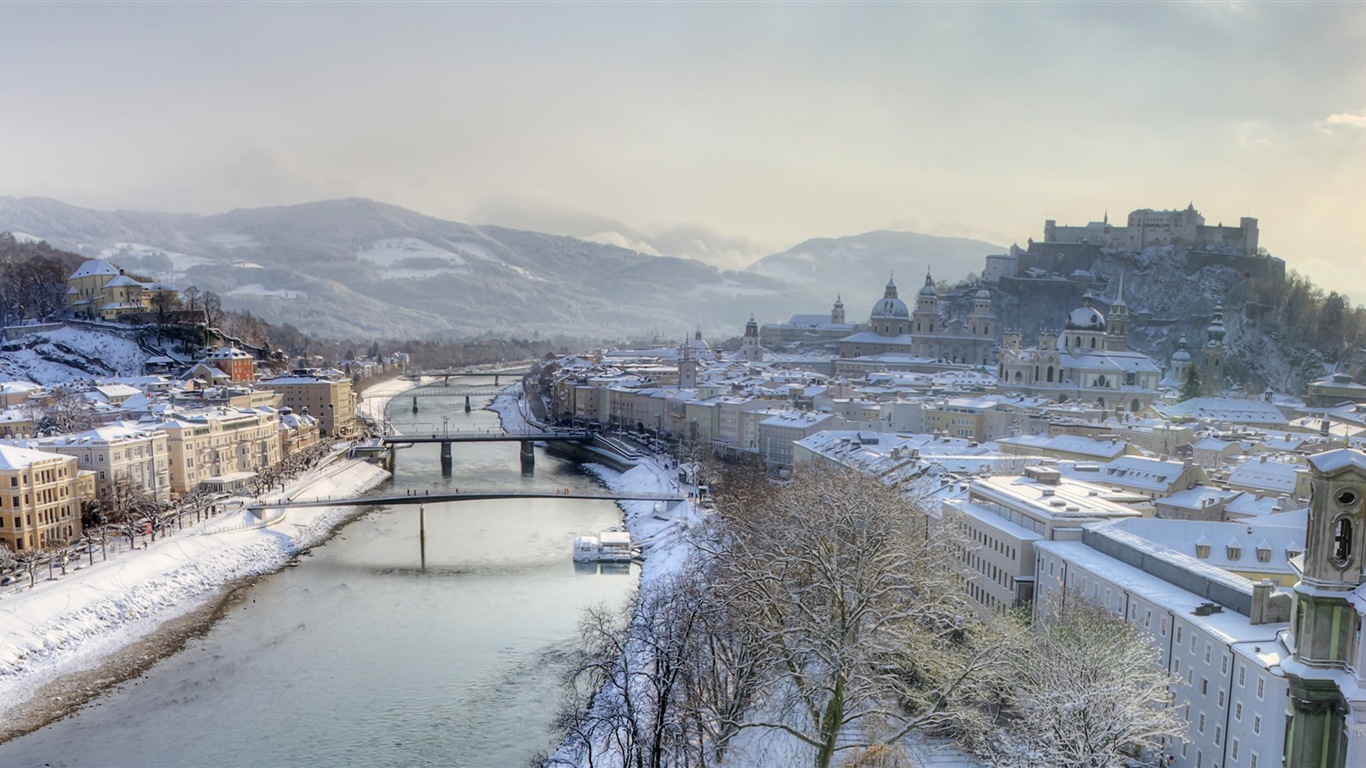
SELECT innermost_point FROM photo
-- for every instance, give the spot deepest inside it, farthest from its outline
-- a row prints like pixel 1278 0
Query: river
pixel 359 657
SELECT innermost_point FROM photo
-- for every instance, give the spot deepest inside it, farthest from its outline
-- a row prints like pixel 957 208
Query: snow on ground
pixel 70 624
pixel 390 251
pixel 257 289
pixel 70 354
pixel 67 625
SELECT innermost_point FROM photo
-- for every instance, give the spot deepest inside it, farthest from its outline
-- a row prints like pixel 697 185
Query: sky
pixel 719 131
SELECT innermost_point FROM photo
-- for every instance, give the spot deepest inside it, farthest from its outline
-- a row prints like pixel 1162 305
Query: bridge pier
pixel 467 403
pixel 528 457
pixel 446 463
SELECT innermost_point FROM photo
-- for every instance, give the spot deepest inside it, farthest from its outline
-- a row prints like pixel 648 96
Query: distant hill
pixel 857 267
pixel 357 268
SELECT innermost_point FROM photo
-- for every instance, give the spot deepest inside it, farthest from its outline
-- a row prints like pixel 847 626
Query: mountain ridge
pixel 315 264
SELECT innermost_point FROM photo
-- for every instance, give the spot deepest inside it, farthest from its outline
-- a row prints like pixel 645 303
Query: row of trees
pixel 824 623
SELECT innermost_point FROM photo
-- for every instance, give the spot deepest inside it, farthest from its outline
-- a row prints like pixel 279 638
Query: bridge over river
pixel 467 495
pixel 527 439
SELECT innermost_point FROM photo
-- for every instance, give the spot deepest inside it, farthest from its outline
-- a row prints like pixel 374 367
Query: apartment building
pixel 40 498
pixel 116 454
pixel 220 442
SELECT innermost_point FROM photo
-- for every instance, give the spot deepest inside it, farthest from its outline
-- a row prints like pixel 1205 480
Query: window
pixel 1261 687
pixel 1201 726
pixel 1234 553
pixel 1233 750
pixel 1263 554
pixel 1202 550
pixel 1204 686
pixel 1342 541
pixel 1257 725
pixel 1238 711
pixel 1178 634
pixel 1242 675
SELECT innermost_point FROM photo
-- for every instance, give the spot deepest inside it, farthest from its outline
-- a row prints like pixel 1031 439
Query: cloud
pixel 1343 119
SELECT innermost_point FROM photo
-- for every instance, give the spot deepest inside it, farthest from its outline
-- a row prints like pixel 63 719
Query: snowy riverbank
pixel 73 626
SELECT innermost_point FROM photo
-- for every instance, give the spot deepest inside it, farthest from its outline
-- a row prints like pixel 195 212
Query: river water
pixel 358 657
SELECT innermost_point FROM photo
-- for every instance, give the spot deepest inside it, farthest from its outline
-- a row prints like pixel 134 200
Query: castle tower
pixel 1212 366
pixel 837 314
pixel 750 350
pixel 1324 624
pixel 926 316
pixel 1118 321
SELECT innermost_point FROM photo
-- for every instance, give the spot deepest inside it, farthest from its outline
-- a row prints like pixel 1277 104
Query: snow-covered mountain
pixel 357 268
pixel 857 267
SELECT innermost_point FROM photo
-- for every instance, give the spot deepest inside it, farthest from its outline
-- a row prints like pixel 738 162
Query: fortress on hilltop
pixel 1148 228
pixel 1065 250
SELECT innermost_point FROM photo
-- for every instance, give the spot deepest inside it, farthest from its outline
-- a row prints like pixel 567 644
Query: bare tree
pixel 68 412
pixel 1088 692
pixel 864 632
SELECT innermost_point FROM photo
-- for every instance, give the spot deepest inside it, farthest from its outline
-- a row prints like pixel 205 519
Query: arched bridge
pixel 471 495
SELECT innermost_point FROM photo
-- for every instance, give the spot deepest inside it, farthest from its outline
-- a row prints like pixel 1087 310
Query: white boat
pixel 614 546
pixel 587 549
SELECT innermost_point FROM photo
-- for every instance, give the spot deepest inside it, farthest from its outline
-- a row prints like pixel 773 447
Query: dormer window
pixel 1263 554
pixel 1234 552
pixel 1202 550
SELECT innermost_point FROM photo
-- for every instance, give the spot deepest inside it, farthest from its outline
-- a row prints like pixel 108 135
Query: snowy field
pixel 70 354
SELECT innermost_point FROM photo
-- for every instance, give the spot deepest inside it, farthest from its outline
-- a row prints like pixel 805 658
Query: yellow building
pixel 220 442
pixel 40 499
pixel 98 289
pixel 329 400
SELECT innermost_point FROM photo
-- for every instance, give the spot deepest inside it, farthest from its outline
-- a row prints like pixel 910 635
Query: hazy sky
pixel 718 130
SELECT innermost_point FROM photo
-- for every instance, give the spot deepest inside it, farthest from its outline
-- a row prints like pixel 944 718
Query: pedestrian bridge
pixel 467 495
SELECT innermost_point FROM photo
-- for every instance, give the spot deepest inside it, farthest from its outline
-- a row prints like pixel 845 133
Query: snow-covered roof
pixel 1267 474
pixel 14 457
pixel 94 267
pixel 1332 462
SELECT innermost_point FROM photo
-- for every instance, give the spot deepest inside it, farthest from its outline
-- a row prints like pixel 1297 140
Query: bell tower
pixel 1325 623
pixel 1117 324
pixel 750 350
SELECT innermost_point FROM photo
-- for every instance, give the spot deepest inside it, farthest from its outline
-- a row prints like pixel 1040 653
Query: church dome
pixel 889 307
pixel 982 294
pixel 1181 355
pixel 1085 318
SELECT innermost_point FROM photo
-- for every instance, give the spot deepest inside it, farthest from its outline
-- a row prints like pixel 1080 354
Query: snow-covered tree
pixel 1088 692
pixel 863 632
